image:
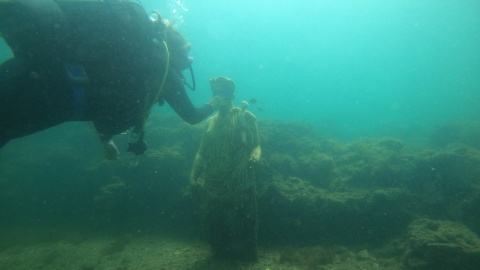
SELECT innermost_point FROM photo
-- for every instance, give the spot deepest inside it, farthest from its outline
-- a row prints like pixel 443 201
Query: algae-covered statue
pixel 224 168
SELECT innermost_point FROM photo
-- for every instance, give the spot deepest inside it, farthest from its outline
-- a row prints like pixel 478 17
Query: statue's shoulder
pixel 247 116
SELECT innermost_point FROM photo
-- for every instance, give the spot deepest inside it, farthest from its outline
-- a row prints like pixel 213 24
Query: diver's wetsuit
pixel 108 47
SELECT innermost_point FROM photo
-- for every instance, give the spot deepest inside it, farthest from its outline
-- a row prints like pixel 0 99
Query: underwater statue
pixel 224 169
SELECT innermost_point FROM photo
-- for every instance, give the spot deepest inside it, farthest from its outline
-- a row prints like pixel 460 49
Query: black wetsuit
pixel 83 61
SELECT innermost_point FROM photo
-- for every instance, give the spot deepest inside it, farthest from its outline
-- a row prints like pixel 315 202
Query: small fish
pixel 260 109
pixel 253 101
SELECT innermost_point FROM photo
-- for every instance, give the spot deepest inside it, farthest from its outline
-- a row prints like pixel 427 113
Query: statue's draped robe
pixel 229 207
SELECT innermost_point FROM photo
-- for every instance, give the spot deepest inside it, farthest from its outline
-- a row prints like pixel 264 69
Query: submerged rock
pixel 293 210
pixel 437 244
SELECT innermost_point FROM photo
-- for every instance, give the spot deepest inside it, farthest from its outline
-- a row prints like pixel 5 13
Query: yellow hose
pixel 159 92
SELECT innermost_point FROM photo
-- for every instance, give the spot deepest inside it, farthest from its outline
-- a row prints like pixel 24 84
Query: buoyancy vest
pixel 111 39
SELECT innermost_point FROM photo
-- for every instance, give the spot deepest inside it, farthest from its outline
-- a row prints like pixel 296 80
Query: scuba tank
pixel 31 27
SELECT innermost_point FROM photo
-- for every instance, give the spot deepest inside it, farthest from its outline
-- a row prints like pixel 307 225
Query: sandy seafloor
pixel 377 207
pixel 53 248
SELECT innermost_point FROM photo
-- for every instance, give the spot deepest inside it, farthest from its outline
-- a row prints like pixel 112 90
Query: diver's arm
pixel 109 147
pixel 176 96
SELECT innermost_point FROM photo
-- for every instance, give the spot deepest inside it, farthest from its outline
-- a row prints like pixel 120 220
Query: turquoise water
pixel 350 68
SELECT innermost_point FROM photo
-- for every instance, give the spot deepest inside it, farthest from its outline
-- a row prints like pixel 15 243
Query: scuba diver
pixel 224 172
pixel 104 61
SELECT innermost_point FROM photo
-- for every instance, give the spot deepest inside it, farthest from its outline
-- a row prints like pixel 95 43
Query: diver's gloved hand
pixel 218 101
pixel 110 150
